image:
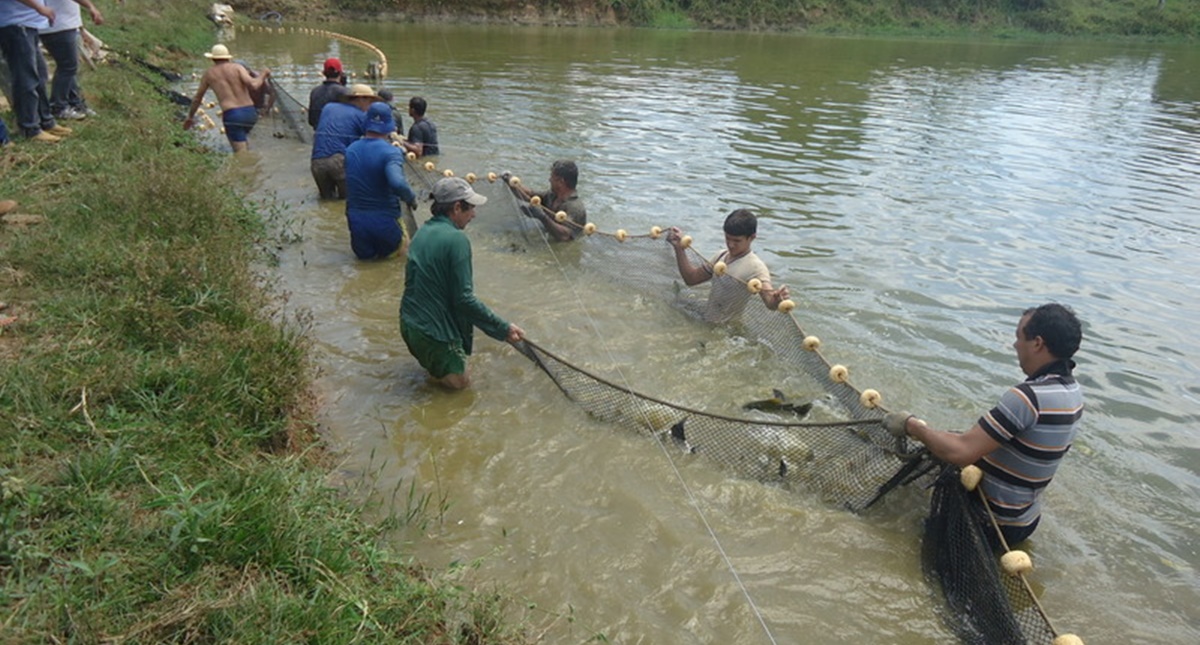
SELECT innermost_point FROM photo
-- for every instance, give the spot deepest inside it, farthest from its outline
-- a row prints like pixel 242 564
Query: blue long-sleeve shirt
pixel 341 124
pixel 375 178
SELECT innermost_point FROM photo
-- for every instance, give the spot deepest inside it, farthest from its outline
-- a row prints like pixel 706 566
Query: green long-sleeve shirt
pixel 439 297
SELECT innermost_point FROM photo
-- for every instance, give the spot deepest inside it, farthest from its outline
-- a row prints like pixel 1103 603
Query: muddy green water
pixel 916 196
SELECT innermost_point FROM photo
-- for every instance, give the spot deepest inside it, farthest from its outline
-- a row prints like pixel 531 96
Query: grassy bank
pixel 159 482
pixel 1141 19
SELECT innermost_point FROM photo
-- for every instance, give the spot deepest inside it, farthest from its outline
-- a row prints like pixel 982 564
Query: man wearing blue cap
pixel 374 179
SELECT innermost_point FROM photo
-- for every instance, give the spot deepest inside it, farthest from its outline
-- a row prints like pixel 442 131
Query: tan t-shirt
pixel 729 293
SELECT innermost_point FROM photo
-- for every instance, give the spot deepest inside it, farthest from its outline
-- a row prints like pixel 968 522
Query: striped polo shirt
pixel 1034 423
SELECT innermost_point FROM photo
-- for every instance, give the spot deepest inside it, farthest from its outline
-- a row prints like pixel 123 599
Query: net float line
pixel 379 71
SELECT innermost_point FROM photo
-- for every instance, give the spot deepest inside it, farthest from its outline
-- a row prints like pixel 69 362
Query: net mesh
pixel 987 605
pixel 849 464
pixel 291 111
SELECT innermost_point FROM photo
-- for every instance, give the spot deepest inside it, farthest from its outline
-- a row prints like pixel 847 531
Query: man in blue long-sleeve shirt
pixel 375 186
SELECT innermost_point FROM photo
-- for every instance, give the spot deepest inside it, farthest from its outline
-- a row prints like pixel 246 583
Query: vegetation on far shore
pixel 1142 19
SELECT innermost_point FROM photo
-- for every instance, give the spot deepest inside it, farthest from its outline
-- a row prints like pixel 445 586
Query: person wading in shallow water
pixel 439 310
pixel 234 87
pixel 1019 443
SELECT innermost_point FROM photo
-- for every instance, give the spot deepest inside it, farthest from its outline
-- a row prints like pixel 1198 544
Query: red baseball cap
pixel 333 66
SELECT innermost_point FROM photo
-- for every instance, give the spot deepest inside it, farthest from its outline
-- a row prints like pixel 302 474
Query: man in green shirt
pixel 439 310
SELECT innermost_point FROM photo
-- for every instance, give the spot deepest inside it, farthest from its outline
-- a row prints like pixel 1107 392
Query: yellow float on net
pixel 210 105
pixel 560 216
pixel 447 173
pixel 811 343
pixel 655 232
pixel 621 235
pixel 471 178
pixel 787 306
pixel 1016 562
pixel 411 156
pixel 754 285
pixel 970 476
pixel 870 398
pixel 514 181
pixel 491 176
pixel 222 130
pixel 719 268
pixel 535 200
pixel 839 373
pixel 685 241
pixel 429 165
pixel 589 228
pixel 1067 639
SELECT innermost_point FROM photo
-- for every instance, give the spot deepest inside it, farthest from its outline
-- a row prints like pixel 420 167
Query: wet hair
pixel 741 222
pixel 567 171
pixel 386 95
pixel 418 105
pixel 1058 327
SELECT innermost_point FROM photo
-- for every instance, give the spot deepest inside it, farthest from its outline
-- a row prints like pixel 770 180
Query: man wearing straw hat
pixel 234 86
pixel 374 181
pixel 341 124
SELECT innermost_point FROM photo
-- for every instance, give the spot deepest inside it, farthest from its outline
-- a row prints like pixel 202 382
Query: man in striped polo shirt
pixel 1019 443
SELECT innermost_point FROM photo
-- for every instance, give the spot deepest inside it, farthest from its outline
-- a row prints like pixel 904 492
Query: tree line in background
pixel 1130 18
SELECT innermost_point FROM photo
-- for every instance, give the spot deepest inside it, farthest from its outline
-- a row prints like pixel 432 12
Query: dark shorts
pixel 439 358
pixel 374 237
pixel 238 123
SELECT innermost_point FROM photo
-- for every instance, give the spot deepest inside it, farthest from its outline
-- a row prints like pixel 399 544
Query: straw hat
pixel 219 52
pixel 360 91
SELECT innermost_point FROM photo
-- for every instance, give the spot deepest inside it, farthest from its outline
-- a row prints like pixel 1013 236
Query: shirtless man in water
pixel 233 85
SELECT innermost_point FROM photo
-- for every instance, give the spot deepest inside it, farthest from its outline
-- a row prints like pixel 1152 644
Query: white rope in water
pixel 692 499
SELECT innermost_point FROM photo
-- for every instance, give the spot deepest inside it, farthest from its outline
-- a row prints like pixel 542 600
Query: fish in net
pixel 847 463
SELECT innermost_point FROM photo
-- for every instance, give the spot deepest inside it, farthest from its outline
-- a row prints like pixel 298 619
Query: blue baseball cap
pixel 379 118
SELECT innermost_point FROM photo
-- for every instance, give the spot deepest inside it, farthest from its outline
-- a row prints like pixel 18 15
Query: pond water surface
pixel 915 196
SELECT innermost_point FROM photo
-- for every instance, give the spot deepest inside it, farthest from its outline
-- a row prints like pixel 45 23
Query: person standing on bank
pixel 422 134
pixel 1020 443
pixel 20 21
pixel 564 176
pixel 233 86
pixel 439 310
pixel 330 90
pixel 62 41
pixel 374 181
pixel 342 123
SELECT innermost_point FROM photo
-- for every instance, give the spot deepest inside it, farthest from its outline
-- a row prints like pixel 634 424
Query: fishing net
pixel 851 462
pixel 291 112
pixel 988 605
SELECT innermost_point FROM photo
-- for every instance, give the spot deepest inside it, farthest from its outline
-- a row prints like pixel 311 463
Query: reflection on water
pixel 914 196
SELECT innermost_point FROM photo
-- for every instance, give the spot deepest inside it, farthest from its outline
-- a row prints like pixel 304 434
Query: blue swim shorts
pixel 238 122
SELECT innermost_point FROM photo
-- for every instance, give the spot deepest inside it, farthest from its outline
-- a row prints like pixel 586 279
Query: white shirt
pixel 67 16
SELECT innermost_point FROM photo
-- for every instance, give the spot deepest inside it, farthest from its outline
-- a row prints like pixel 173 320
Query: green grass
pixel 159 480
